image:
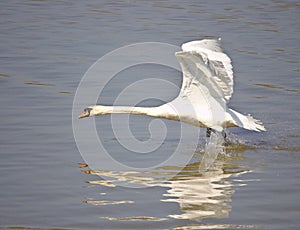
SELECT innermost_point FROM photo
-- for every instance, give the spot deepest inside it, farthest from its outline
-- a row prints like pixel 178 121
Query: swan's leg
pixel 225 138
pixel 208 132
pixel 224 134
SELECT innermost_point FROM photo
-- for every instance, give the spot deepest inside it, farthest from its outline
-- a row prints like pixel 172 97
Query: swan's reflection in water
pixel 203 195
pixel 199 195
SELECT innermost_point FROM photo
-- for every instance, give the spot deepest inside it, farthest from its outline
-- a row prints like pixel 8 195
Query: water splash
pixel 213 147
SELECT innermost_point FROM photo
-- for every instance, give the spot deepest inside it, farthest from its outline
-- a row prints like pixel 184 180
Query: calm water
pixel 47 46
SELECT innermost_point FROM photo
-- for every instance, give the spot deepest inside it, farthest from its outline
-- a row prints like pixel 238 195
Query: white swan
pixel 206 89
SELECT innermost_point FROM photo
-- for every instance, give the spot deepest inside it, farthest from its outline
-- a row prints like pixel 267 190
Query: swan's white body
pixel 206 89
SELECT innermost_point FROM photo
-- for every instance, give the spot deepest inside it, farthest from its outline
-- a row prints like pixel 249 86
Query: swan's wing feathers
pixel 197 74
pixel 209 44
pixel 204 62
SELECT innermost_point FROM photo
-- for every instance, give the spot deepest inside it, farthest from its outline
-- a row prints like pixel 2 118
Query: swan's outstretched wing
pixel 205 65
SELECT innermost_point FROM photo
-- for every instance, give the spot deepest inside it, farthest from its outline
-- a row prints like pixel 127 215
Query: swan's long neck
pixel 160 111
pixel 167 111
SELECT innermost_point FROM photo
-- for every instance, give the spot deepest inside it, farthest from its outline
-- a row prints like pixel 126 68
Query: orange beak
pixel 86 113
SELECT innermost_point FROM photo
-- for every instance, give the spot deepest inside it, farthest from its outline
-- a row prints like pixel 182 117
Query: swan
pixel 205 92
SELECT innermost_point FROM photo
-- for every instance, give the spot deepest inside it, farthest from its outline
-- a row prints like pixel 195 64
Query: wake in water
pixel 218 143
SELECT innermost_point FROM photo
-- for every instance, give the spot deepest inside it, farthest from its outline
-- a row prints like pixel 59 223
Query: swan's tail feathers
pixel 246 122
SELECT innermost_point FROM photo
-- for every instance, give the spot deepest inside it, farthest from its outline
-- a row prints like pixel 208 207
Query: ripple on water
pixel 38 83
pixel 272 86
pixel 108 202
pixel 5 75
pixel 135 218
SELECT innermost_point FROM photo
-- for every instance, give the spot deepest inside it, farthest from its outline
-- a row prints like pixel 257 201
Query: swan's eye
pixel 87 110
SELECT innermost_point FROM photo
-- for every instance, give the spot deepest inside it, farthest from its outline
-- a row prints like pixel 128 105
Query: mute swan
pixel 206 89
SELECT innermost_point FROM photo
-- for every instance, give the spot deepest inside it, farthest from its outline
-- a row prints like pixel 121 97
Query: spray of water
pixel 213 147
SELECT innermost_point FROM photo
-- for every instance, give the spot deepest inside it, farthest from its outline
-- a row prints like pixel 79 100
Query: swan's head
pixel 87 112
pixel 94 110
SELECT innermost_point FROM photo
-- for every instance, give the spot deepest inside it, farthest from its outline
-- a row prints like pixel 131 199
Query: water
pixel 46 47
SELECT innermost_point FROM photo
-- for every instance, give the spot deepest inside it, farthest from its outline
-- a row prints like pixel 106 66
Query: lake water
pixel 46 48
